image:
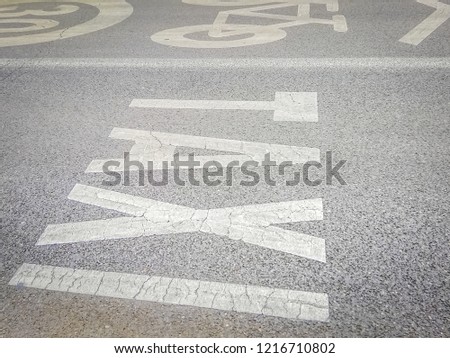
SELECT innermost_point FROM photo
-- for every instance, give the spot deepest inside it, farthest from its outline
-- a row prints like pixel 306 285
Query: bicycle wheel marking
pixel 229 2
pixel 39 23
pixel 179 36
pixel 221 33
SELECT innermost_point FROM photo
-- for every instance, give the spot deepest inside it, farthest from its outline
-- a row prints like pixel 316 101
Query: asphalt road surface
pixel 365 82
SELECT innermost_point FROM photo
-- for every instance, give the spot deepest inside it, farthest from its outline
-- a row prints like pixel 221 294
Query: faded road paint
pixel 215 295
pixel 157 147
pixel 111 12
pixel 430 24
pixel 251 224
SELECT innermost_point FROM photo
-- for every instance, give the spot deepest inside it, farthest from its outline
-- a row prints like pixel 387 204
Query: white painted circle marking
pixel 34 24
pixel 111 12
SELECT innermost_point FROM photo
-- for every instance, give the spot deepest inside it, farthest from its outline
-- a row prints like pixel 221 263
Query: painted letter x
pixel 251 224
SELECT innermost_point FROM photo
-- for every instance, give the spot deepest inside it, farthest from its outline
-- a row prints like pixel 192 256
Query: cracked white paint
pixel 430 24
pixel 110 12
pixel 287 106
pixel 157 147
pixel 215 295
pixel 251 224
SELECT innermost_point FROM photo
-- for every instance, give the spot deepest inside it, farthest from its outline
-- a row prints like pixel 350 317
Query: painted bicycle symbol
pixel 224 35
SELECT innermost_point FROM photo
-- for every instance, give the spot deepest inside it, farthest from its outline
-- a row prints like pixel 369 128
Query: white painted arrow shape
pixel 157 147
pixel 251 224
pixel 430 24
pixel 215 295
pixel 287 106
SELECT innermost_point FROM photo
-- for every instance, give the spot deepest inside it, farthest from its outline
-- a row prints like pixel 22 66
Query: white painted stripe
pixel 110 229
pixel 177 291
pixel 202 104
pixel 287 106
pixel 96 166
pixel 231 63
pixel 157 147
pixel 429 25
pixel 296 107
pixel 250 223
pixel 124 203
pixel 256 150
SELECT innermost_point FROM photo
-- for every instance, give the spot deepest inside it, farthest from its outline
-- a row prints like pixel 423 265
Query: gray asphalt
pixel 374 28
pixel 386 231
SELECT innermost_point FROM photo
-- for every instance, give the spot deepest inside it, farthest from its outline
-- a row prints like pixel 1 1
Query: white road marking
pixel 229 2
pixel 430 24
pixel 250 34
pixel 157 147
pixel 254 35
pixel 9 11
pixel 250 223
pixel 110 13
pixel 261 63
pixel 287 106
pixel 177 291
pixel 33 25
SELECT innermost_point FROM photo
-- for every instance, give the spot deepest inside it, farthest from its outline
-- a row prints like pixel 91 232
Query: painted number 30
pixel 34 21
